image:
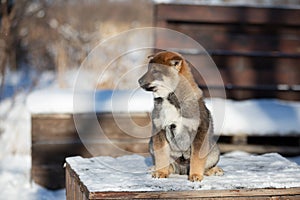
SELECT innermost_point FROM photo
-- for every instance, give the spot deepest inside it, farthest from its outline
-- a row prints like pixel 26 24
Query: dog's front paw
pixel 160 174
pixel 195 177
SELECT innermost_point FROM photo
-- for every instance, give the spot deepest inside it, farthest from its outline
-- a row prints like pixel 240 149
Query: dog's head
pixel 163 73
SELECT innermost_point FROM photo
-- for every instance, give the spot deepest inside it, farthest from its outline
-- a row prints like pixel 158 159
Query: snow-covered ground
pixel 15 181
pixel 279 116
pixel 15 139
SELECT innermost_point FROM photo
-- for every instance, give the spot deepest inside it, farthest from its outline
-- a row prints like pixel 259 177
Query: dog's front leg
pixel 199 153
pixel 161 155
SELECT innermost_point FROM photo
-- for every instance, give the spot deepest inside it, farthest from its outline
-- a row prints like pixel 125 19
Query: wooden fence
pixel 256 49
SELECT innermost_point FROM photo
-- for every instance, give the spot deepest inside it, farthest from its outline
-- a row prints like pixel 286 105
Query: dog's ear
pixel 176 63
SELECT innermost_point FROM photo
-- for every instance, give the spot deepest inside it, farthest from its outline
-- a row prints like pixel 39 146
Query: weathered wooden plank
pixel 69 185
pixel 285 145
pixel 75 189
pixel 49 153
pixel 290 193
pixel 245 94
pixel 55 153
pixel 244 71
pixel 227 14
pixel 249 72
pixel 50 176
pixel 126 126
pixel 231 44
pixel 238 38
pixel 43 127
pixel 115 126
pixel 260 149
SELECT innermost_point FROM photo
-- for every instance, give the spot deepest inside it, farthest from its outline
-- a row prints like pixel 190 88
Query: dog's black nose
pixel 172 126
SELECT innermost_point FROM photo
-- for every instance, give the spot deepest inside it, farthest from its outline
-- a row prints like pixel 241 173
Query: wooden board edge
pixel 98 114
pixel 206 10
pixel 51 115
pixel 259 149
pixel 292 193
pixel 71 178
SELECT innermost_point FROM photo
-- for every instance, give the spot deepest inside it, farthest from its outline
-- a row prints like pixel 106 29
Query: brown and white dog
pixel 182 128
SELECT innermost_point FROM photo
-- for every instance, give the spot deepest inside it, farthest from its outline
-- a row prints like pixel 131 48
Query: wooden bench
pixel 246 177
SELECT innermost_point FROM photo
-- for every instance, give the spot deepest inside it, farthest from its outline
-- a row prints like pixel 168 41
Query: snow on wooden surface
pixel 258 117
pixel 132 173
pixel 66 101
pixel 253 117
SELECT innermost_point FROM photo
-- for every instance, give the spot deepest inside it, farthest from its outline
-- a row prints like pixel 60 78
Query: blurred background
pixel 255 44
pixel 56 36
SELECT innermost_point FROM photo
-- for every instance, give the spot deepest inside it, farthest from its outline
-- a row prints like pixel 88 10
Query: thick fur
pixel 182 128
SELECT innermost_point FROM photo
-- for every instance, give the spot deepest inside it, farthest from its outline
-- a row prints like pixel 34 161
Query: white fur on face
pixel 161 91
pixel 167 85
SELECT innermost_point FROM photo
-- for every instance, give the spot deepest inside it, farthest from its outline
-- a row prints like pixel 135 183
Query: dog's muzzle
pixel 148 87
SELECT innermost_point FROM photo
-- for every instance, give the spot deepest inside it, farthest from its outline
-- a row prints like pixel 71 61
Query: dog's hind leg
pixel 214 171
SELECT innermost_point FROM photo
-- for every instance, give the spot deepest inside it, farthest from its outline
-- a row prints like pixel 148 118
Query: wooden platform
pixel 273 178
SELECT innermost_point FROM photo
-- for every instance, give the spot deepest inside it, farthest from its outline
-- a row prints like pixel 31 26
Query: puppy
pixel 182 128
